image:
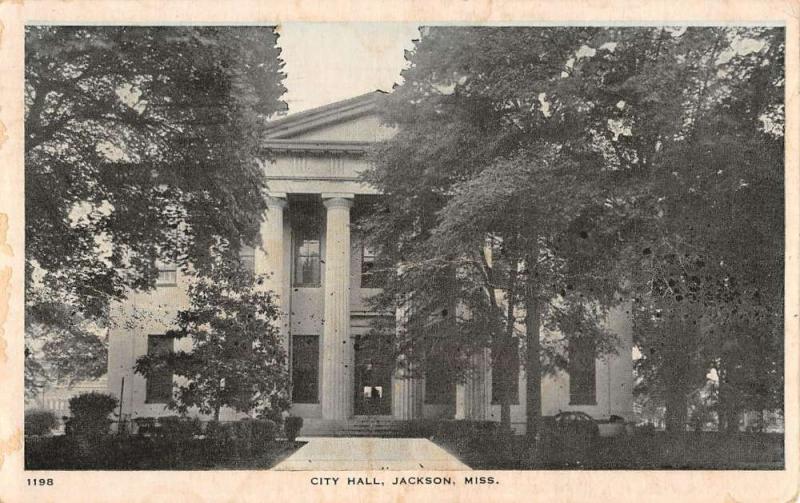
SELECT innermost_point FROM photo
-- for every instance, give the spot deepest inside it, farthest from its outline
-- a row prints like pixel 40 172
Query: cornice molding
pixel 317 146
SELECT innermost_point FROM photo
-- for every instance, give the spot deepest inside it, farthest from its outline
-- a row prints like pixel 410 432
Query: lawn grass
pixel 659 451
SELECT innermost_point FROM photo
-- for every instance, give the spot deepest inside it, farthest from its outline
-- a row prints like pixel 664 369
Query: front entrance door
pixel 373 379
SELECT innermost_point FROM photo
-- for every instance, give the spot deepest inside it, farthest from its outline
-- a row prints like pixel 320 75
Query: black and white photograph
pixel 396 247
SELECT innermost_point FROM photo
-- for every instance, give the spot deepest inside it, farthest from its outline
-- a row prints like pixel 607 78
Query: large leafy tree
pixel 606 161
pixel 480 159
pixel 698 120
pixel 141 145
pixel 695 130
pixel 236 357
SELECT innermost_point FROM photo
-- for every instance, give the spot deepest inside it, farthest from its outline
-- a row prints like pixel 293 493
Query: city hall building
pixel 320 270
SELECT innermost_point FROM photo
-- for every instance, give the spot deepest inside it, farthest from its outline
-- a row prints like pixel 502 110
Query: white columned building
pixel 320 272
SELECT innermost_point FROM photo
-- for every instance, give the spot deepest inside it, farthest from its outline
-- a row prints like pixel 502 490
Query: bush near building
pixel 40 422
pixel 170 442
pixel 90 414
pixel 643 448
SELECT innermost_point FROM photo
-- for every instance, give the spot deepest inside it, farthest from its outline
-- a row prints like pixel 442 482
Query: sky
pixel 327 62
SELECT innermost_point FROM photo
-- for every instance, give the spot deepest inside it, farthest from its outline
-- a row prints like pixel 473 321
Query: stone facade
pixel 315 265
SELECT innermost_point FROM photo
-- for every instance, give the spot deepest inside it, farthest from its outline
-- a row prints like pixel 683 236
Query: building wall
pixel 312 172
pixel 140 315
pixel 150 313
pixel 613 382
pixel 55 397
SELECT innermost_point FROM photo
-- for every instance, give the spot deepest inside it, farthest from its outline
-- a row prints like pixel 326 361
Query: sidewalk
pixel 369 453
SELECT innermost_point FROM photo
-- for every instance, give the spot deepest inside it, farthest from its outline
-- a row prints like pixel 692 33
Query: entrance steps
pixel 357 426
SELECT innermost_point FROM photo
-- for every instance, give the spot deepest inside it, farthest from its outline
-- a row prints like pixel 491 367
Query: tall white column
pixel 407 396
pixel 473 396
pixel 408 388
pixel 269 258
pixel 337 348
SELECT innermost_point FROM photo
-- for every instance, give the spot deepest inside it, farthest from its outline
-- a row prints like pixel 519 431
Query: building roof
pixel 281 131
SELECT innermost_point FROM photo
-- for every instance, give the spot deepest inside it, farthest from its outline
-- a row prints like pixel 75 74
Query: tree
pixel 697 134
pixel 237 358
pixel 479 156
pixel 141 145
pixel 611 163
pixel 704 152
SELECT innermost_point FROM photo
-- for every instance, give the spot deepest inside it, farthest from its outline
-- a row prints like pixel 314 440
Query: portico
pixel 314 169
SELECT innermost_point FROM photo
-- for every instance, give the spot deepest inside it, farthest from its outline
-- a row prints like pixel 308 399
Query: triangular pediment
pixel 348 121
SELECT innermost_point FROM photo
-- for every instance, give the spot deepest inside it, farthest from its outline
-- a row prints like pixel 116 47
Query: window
pixel 167 275
pixel 247 256
pixel 307 271
pixel 307 231
pixel 513 374
pixel 305 369
pixel 159 383
pixel 582 372
pixel 370 277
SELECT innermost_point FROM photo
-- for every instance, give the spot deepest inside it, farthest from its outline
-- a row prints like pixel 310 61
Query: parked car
pixel 614 427
pixel 576 423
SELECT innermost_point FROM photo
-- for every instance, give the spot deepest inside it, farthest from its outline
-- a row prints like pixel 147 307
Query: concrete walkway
pixel 370 453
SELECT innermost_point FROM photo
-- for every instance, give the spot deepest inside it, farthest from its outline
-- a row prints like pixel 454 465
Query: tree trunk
pixel 533 370
pixel 728 409
pixel 675 401
pixel 677 361
pixel 731 421
pixel 675 415
pixel 504 375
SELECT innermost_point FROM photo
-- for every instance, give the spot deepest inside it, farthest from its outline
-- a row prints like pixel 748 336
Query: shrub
pixel 145 426
pixel 264 431
pixel 645 430
pixel 221 439
pixel 467 429
pixel 40 422
pixel 51 453
pixel 419 428
pixel 292 426
pixel 239 438
pixel 178 428
pixel 90 413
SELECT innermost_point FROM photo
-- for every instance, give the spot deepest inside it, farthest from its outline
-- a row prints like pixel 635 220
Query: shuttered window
pixel 582 372
pixel 159 383
pixel 513 367
pixel 305 369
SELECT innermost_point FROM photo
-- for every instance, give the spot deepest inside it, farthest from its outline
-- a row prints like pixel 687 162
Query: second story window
pixel 370 278
pixel 307 233
pixel 167 275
